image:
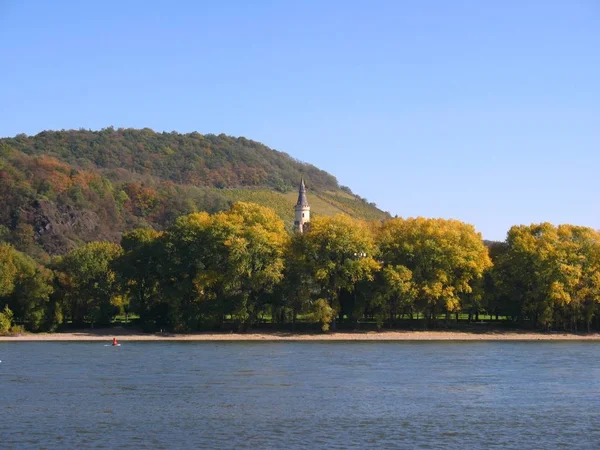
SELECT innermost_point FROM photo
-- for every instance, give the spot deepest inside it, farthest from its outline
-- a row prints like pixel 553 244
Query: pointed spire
pixel 302 201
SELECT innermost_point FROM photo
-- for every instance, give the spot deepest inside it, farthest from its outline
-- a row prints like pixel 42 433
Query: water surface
pixel 292 395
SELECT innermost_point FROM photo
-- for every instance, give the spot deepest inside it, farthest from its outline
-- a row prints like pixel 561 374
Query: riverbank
pixel 397 335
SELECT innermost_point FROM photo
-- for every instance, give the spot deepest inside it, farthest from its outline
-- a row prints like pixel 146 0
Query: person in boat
pixel 115 341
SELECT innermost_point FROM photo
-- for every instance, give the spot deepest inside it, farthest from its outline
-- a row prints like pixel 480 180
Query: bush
pixel 17 329
pixel 6 320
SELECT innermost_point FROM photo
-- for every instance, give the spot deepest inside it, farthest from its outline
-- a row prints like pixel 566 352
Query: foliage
pixel 195 159
pixel 31 296
pixel 241 266
pixel 337 253
pixel 26 287
pixel 552 273
pixel 59 189
pixel 433 261
pixel 255 254
pixel 88 282
pixel 136 269
pixel 6 320
pixel 8 269
pixel 322 313
pixel 236 256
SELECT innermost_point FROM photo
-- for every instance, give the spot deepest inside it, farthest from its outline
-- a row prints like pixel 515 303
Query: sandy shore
pixel 126 335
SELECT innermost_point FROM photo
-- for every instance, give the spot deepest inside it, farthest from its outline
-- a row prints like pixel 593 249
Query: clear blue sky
pixel 483 111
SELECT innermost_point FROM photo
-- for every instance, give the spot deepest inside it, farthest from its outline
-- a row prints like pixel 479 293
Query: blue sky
pixel 486 112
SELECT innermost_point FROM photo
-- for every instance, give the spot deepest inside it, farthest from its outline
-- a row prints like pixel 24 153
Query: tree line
pixel 242 267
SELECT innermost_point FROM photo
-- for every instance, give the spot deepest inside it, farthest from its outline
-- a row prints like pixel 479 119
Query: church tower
pixel 302 210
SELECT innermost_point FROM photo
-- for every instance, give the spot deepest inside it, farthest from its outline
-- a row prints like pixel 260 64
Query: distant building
pixel 302 222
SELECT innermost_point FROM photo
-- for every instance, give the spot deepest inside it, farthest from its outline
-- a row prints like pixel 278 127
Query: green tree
pixel 223 263
pixel 255 242
pixel 395 293
pixel 89 282
pixel 8 269
pixel 32 288
pixel 322 313
pixel 186 250
pixel 6 320
pixel 337 253
pixel 495 298
pixel 298 285
pixel 137 268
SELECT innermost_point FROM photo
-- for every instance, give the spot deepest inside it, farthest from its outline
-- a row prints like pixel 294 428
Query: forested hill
pixel 200 160
pixel 59 189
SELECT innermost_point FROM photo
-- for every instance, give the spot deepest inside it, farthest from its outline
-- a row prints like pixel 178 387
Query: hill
pixel 59 189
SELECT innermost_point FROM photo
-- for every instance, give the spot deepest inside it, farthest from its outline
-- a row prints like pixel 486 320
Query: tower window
pixel 302 215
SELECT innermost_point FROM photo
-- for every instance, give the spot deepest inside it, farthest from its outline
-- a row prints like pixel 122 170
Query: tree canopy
pixel 59 189
pixel 432 261
pixel 242 268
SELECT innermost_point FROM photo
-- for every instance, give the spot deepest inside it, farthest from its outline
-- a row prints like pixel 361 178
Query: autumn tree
pixel 255 241
pixel 552 272
pixel 8 270
pixel 394 294
pixel 434 261
pixel 338 252
pixel 226 262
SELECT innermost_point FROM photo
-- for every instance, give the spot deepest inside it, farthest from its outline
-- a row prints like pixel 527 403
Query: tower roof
pixel 302 201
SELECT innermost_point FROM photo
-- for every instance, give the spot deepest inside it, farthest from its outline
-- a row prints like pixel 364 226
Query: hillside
pixel 59 189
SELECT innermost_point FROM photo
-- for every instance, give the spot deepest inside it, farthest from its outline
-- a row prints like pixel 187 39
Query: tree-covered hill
pixel 59 189
pixel 195 159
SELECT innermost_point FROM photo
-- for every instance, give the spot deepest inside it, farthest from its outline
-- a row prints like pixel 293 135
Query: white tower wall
pixel 302 209
pixel 302 216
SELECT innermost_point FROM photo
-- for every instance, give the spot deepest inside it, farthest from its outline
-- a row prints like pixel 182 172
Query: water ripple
pixel 301 395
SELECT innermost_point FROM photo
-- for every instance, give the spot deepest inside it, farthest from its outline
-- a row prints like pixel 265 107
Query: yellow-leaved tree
pixel 226 262
pixel 336 253
pixel 552 272
pixel 430 263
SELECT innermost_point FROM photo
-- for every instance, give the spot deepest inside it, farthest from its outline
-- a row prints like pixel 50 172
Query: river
pixel 300 395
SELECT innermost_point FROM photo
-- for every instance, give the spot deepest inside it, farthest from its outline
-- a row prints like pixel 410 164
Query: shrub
pixel 6 320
